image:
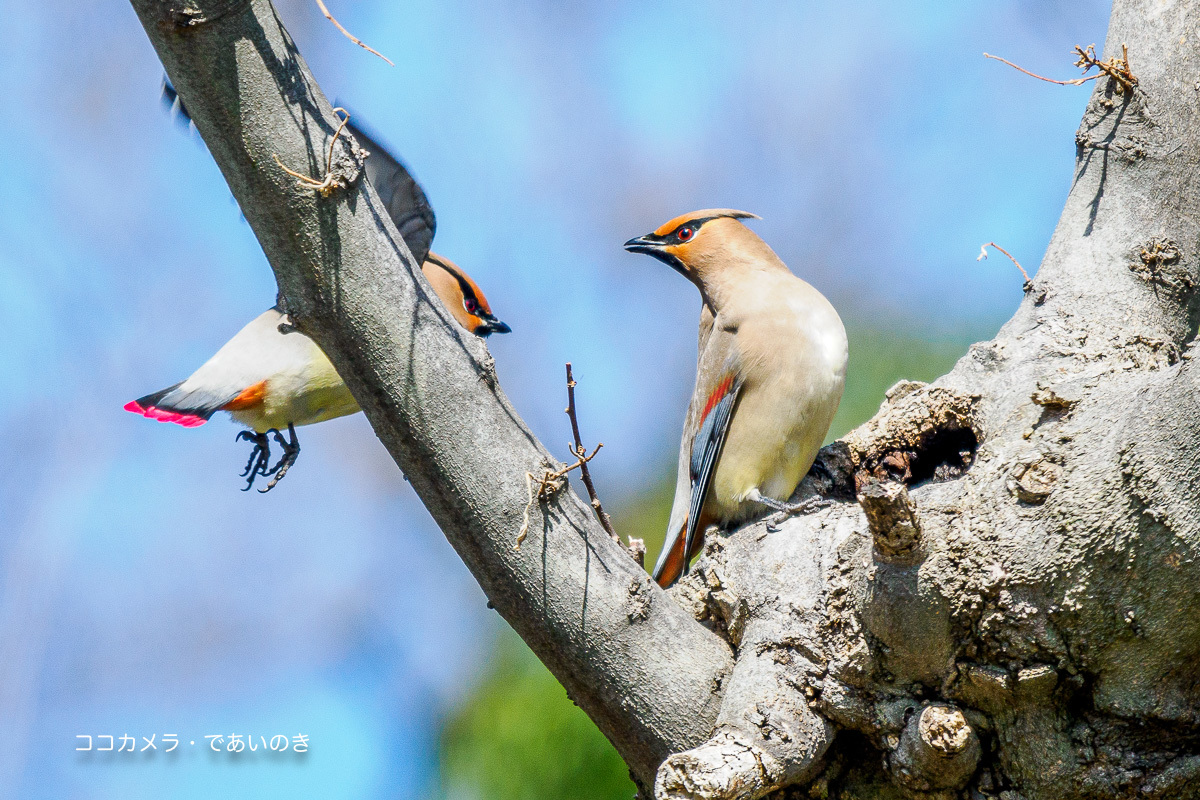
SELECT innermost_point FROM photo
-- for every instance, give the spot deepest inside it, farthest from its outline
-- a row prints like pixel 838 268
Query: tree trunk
pixel 1000 601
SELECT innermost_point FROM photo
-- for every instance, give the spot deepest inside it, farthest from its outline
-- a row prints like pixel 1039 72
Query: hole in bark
pixel 927 435
pixel 939 454
pixel 947 455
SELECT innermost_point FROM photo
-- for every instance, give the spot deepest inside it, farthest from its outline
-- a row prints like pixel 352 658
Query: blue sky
pixel 141 592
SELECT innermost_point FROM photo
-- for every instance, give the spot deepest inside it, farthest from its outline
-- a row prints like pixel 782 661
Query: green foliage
pixel 517 736
pixel 879 358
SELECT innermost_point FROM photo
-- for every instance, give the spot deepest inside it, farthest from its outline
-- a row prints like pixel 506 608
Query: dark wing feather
pixel 706 449
pixel 402 196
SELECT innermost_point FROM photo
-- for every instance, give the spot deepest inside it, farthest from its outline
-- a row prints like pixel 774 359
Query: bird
pixel 271 377
pixel 769 378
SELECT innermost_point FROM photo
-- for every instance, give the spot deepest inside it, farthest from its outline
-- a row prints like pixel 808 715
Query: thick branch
pixel 1024 559
pixel 646 672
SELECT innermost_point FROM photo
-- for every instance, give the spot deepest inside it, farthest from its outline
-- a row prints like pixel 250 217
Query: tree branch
pixel 584 473
pixel 647 673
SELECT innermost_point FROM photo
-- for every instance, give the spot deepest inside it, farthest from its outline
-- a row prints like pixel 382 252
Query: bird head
pixel 688 241
pixel 462 296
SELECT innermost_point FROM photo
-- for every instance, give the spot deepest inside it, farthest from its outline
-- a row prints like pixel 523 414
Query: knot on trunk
pixel 728 765
pixel 938 750
pixel 921 434
pixel 892 519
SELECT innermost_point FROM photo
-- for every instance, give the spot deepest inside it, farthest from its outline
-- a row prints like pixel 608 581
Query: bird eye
pixel 470 305
pixel 684 234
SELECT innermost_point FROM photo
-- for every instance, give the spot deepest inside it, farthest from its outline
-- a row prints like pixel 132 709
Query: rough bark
pixel 1001 600
pixel 1024 549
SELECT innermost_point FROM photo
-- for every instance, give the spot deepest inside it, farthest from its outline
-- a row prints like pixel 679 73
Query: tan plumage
pixel 269 380
pixel 770 374
pixel 266 378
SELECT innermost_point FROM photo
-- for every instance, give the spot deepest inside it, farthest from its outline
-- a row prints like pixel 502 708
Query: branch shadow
pixel 1088 147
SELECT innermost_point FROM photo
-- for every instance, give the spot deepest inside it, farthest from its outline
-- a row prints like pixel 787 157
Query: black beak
pixel 492 325
pixel 654 246
pixel 643 244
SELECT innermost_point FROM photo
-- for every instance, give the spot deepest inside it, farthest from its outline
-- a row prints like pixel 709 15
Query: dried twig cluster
pixel 1117 69
pixel 553 481
pixel 549 484
pixel 332 181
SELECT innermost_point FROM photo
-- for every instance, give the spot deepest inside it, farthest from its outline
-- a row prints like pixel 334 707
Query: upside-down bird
pixel 270 377
pixel 769 377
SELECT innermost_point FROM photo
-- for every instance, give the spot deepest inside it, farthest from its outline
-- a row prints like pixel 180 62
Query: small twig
pixel 351 36
pixel 1072 82
pixel 984 254
pixel 1115 68
pixel 331 182
pixel 578 450
pixel 550 484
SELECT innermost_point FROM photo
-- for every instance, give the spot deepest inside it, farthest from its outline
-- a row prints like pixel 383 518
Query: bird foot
pixel 260 456
pixel 291 451
pixel 786 509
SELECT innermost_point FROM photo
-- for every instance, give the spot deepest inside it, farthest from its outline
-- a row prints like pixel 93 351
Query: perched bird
pixel 270 376
pixel 770 374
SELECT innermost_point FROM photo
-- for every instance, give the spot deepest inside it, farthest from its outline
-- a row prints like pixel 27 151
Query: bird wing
pixel 707 422
pixel 706 449
pixel 235 377
pixel 402 196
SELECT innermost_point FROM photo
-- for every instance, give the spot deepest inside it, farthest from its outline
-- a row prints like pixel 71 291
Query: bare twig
pixel 1115 68
pixel 984 254
pixel 1072 82
pixel 331 182
pixel 551 483
pixel 351 36
pixel 579 451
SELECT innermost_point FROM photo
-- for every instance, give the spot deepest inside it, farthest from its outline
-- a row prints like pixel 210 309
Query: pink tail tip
pixel 162 415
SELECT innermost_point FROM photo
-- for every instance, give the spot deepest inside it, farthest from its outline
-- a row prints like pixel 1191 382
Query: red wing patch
pixel 717 396
pixel 248 398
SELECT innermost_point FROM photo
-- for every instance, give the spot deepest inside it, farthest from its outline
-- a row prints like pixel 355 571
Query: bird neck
pixel 720 284
pixel 726 264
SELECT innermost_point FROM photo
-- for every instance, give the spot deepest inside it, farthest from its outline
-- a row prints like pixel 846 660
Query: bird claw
pixel 259 462
pixel 291 451
pixel 811 504
pixel 260 456
pixel 787 509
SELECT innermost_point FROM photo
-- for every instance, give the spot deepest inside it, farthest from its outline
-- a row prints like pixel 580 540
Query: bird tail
pixel 186 407
pixel 671 561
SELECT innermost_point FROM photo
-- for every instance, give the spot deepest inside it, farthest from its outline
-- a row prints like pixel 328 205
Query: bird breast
pixel 792 353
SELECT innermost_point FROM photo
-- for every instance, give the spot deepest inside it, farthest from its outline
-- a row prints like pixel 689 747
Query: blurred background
pixel 142 593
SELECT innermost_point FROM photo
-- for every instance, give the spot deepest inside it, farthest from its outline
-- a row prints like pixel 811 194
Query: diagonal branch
pixel 654 684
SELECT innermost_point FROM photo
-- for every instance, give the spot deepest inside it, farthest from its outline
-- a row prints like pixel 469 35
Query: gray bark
pixel 1011 609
